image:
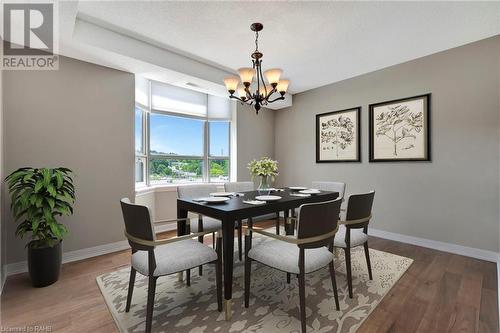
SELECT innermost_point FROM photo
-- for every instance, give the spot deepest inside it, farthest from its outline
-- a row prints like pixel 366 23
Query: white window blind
pixel 219 107
pixel 170 98
pixel 141 90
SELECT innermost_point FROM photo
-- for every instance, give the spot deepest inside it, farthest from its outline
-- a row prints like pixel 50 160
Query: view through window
pixel 182 147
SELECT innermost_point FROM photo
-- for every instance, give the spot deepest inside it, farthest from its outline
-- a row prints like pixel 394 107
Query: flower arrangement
pixel 265 167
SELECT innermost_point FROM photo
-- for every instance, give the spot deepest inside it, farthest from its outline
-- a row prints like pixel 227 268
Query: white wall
pixel 452 199
pixel 81 117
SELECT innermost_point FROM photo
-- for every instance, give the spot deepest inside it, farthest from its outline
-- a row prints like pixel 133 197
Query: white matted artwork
pixel 399 130
pixel 338 136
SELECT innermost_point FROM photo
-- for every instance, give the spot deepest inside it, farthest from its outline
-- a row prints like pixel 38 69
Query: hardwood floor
pixel 440 292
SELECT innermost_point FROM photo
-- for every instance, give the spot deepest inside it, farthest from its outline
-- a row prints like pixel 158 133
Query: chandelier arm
pixel 237 98
pixel 263 82
pixel 277 99
pixel 272 91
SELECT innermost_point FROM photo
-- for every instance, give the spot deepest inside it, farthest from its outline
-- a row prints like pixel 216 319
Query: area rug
pixel 274 304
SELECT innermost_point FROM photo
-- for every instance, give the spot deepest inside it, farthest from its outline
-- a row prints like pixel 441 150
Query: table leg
pixel 228 254
pixel 288 224
pixel 181 229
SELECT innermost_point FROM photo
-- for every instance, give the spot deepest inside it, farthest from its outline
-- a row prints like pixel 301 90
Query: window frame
pixel 205 158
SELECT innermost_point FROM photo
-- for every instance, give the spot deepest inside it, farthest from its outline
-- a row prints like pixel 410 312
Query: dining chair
pixel 353 231
pixel 154 257
pixel 330 186
pixel 203 223
pixel 200 223
pixel 245 187
pixel 308 251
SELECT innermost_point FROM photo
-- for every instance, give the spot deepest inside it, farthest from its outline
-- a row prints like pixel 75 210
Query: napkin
pixel 299 195
pixel 254 202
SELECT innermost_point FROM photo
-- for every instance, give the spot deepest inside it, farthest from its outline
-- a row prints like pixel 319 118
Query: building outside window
pixel 181 135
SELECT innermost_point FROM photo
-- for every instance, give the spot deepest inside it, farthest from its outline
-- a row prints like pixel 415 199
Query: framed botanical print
pixel 399 130
pixel 338 136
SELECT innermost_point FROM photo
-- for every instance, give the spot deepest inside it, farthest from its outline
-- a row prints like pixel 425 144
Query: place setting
pixel 302 191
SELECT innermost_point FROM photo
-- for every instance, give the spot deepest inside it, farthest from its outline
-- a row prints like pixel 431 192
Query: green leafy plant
pixel 263 167
pixel 38 197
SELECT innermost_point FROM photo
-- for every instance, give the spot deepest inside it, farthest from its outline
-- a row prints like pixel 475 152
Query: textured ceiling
pixel 315 43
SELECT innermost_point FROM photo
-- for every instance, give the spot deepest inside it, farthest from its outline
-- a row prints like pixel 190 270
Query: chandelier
pixel 257 93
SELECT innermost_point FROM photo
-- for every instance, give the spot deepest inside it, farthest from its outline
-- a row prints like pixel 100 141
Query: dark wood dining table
pixel 235 210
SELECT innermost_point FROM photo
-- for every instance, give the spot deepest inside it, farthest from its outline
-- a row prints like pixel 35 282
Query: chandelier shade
pixel 254 87
pixel 273 75
pixel 246 74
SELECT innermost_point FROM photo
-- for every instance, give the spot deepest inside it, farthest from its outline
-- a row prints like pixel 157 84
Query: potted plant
pixel 38 198
pixel 266 169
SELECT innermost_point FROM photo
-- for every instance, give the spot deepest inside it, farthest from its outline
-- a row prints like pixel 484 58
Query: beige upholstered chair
pixel 330 186
pixel 239 186
pixel 353 231
pixel 307 252
pixel 202 223
pixel 154 258
pixel 247 187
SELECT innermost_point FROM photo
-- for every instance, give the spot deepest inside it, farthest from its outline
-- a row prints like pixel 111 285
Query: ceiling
pixel 315 43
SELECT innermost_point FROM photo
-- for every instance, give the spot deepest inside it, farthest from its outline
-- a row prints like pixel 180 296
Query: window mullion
pixel 206 163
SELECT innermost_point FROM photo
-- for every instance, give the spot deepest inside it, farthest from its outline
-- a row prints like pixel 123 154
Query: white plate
pixel 268 197
pixel 214 199
pixel 297 188
pixel 222 194
pixel 310 191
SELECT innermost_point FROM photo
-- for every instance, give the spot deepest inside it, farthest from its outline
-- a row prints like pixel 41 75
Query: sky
pixel 184 136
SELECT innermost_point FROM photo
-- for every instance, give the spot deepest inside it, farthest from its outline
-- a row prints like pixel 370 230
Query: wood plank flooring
pixel 440 292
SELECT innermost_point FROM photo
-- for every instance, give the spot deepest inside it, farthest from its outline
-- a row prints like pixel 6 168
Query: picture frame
pixel 399 130
pixel 338 136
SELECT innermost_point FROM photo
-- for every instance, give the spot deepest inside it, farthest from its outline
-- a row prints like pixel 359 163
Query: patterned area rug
pixel 274 304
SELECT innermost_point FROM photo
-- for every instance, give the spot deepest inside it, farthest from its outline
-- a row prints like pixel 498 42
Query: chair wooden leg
pixel 334 285
pixel 347 252
pixel 248 269
pixel 240 241
pixel 218 273
pixel 368 263
pixel 213 240
pixel 200 268
pixel 288 278
pixel 188 277
pixel 130 288
pixel 277 223
pixel 150 304
pixel 302 291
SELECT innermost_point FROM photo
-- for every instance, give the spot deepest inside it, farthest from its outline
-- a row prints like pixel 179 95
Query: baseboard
pixel 70 256
pixel 437 245
pixel 498 285
pixel 3 278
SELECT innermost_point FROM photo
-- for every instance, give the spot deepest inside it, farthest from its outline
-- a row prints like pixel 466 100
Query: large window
pixel 184 136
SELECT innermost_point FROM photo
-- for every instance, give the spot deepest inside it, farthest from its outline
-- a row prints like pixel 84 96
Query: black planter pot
pixel 44 264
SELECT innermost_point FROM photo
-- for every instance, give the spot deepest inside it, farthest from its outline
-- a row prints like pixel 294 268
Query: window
pixel 184 136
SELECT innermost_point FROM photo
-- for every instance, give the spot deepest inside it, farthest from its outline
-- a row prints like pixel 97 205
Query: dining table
pixel 236 209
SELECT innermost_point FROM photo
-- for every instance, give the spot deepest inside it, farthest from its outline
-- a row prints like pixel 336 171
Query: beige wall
pixel 452 199
pixel 255 137
pixel 2 225
pixel 80 117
